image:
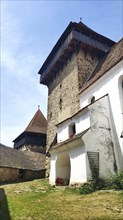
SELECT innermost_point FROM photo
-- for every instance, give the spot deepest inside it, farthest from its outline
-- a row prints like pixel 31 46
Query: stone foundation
pixel 12 174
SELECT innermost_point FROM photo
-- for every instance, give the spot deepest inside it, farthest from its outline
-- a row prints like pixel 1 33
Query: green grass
pixel 37 200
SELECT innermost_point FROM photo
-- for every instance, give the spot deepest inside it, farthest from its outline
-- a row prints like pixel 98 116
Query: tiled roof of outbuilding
pixel 28 160
pixel 114 56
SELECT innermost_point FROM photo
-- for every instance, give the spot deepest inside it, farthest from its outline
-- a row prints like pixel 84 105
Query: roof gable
pixel 35 132
pixel 38 124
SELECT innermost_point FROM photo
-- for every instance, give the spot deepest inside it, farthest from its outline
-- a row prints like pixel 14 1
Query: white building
pixel 90 142
pixel 93 135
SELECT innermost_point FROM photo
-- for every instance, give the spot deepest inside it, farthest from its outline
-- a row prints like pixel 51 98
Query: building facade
pixel 27 160
pixel 17 165
pixel 84 124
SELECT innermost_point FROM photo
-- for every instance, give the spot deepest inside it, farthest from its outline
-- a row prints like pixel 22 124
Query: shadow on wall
pixel 4 210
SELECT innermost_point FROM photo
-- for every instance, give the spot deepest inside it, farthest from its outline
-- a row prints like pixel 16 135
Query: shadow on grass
pixel 4 210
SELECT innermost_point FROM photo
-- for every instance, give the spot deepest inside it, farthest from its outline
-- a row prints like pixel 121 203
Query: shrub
pixel 116 181
pixel 92 186
pixel 88 187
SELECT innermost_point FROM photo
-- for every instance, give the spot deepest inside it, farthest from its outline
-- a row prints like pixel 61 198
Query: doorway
pixel 63 168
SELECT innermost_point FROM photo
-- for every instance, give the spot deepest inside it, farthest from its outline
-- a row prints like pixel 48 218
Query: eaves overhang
pixel 75 36
pixel 75 141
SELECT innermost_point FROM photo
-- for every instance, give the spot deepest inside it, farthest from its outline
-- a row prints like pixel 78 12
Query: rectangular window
pixel 72 130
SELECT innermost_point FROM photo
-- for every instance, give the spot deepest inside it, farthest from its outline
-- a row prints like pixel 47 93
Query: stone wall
pixel 86 64
pixel 8 174
pixel 34 148
pixel 30 174
pixel 12 174
pixel 63 97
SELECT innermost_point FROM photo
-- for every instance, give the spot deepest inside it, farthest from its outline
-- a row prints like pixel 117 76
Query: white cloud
pixel 21 91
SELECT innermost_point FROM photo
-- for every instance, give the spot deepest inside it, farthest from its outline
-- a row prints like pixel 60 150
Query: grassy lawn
pixel 36 200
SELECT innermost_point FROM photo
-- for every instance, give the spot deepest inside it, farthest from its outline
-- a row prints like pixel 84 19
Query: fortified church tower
pixel 70 63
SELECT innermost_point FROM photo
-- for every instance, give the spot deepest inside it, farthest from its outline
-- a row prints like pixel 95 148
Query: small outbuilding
pixel 27 160
pixel 16 165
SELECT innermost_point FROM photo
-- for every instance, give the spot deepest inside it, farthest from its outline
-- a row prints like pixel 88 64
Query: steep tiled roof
pixel 13 158
pixel 114 56
pixel 38 124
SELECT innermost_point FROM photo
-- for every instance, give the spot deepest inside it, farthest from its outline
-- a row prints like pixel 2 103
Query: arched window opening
pixel 91 100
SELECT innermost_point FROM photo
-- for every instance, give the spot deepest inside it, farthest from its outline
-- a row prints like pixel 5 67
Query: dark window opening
pixel 121 134
pixel 60 104
pixel 72 130
pixel 21 174
pixel 93 99
pixel 60 86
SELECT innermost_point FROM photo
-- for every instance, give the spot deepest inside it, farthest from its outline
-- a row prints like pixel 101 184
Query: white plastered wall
pixel 108 84
pixel 77 157
pixel 82 122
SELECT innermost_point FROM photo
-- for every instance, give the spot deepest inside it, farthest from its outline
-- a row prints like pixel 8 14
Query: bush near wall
pixel 116 181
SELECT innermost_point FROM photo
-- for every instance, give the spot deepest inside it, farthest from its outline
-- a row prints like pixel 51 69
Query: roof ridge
pixel 38 123
pixel 87 28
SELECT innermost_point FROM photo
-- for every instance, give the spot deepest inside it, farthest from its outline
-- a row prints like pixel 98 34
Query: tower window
pixel 50 114
pixel 60 104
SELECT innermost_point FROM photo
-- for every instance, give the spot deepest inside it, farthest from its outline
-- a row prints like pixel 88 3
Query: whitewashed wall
pixel 82 122
pixel 108 84
pixel 78 165
pixel 79 168
pixel 62 131
pixel 77 155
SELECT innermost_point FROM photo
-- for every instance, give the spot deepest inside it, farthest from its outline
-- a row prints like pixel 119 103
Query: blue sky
pixel 29 30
